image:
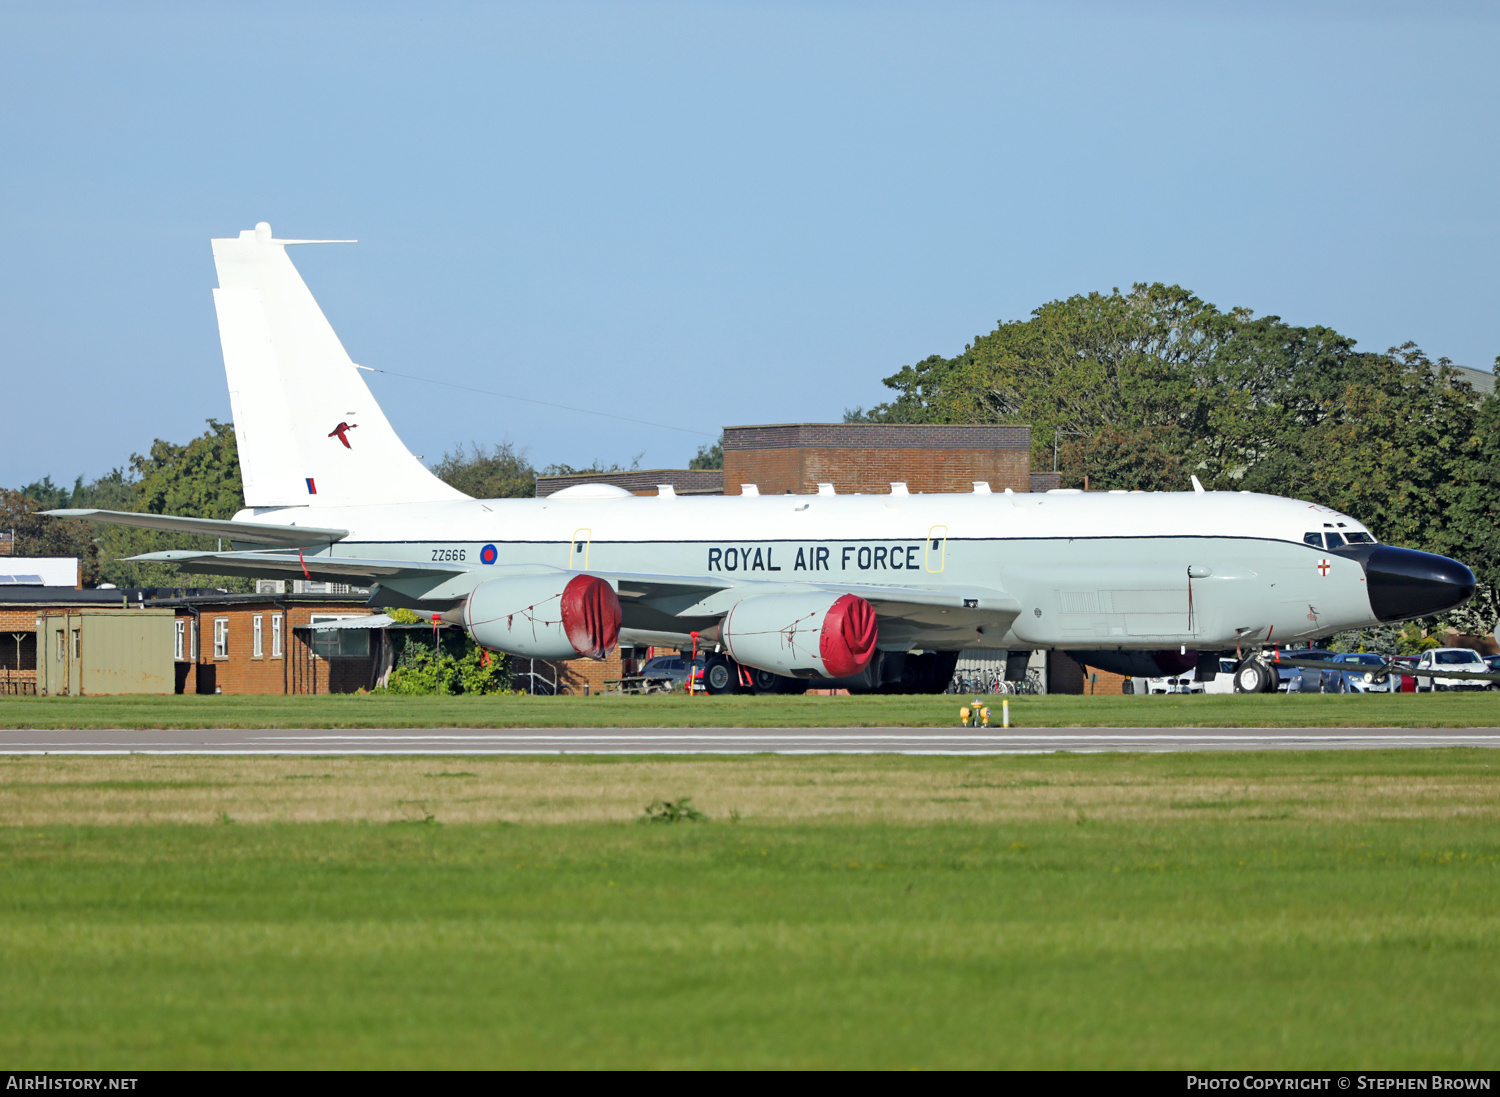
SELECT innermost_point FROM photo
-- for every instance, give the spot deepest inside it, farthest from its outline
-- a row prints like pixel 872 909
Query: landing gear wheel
pixel 764 681
pixel 721 676
pixel 1253 676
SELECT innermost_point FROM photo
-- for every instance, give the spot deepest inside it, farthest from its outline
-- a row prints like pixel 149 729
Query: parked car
pixel 1222 682
pixel 1408 682
pixel 1176 683
pixel 672 671
pixel 1305 679
pixel 1465 660
pixel 1360 681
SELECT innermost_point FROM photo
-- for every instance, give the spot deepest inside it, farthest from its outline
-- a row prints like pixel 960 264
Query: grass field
pixel 1313 910
pixel 354 711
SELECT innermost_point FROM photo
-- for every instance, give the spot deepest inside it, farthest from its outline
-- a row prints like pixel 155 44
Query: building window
pixel 193 648
pixel 179 641
pixel 77 644
pixel 276 637
pixel 257 640
pixel 221 637
pixel 339 643
pixel 62 644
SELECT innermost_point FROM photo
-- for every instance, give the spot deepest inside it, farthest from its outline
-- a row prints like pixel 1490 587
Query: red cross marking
pixel 1323 566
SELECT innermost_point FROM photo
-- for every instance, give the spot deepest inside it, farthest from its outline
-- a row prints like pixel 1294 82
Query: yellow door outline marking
pixel 936 547
pixel 578 549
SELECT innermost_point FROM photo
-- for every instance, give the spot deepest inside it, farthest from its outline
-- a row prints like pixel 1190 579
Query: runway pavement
pixel 729 740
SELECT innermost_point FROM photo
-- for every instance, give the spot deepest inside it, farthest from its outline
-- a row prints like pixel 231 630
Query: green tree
pixel 709 456
pixel 36 535
pixel 1092 362
pixel 596 466
pixel 488 472
pixel 1156 385
pixel 1474 519
pixel 199 479
pixel 1143 459
pixel 455 664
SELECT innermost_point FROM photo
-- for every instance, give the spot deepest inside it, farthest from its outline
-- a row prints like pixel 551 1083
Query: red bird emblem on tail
pixel 341 432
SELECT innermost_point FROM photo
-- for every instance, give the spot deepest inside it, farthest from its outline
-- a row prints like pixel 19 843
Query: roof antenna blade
pixel 1197 487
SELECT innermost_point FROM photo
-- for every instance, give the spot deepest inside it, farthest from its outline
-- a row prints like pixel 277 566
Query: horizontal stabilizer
pixel 322 569
pixel 255 533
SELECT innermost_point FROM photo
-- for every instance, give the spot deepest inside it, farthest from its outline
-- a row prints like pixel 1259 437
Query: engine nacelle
pixel 544 616
pixel 802 635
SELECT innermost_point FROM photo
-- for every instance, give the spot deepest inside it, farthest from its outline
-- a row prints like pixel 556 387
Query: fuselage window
pixel 1354 537
pixel 1313 539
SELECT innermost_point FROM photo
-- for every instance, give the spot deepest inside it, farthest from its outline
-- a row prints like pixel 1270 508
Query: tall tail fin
pixel 308 428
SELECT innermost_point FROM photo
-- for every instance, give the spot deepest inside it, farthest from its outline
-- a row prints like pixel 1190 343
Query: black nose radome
pixel 1405 583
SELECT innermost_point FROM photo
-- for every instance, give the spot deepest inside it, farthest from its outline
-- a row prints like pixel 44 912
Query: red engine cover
pixel 590 615
pixel 848 641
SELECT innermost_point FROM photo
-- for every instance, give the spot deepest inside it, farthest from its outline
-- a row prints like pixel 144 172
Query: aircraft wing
pixel 633 587
pixel 887 600
pixel 900 601
pixel 322 569
pixel 258 533
pixel 660 605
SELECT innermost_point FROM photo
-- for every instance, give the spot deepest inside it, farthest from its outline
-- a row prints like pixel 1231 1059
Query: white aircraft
pixel 867 591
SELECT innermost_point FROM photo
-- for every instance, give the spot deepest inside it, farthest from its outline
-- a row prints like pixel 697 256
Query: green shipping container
pixel 91 651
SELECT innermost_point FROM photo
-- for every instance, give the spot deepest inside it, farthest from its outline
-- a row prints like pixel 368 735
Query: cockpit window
pixel 1313 539
pixel 1354 537
pixel 1335 540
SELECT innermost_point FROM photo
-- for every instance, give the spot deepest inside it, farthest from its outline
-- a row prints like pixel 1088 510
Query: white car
pixel 1222 682
pixel 1465 660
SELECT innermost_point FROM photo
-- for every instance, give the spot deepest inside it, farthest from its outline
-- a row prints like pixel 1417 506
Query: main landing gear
pixel 929 672
pixel 724 675
pixel 1253 676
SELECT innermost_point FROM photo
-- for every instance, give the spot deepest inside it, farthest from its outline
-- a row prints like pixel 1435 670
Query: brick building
pixel 220 643
pixel 255 643
pixel 866 457
pixel 640 481
pixel 853 457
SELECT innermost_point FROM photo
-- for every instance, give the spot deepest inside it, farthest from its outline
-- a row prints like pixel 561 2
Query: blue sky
pixel 697 214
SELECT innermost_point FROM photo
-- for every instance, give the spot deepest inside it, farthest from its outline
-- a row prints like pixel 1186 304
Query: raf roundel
pixel 488 555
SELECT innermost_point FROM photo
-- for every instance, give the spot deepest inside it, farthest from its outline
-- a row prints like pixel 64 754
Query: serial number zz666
pixel 449 554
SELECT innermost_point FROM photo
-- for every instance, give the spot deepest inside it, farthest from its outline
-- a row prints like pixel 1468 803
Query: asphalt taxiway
pixel 728 740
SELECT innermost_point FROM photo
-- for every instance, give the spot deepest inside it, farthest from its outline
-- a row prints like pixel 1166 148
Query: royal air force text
pixel 789 558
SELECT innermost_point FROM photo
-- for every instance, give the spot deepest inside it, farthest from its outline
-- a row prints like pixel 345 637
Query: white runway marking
pixel 297 741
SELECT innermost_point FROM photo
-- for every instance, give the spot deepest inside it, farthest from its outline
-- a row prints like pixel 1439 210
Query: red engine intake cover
pixel 849 632
pixel 590 615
